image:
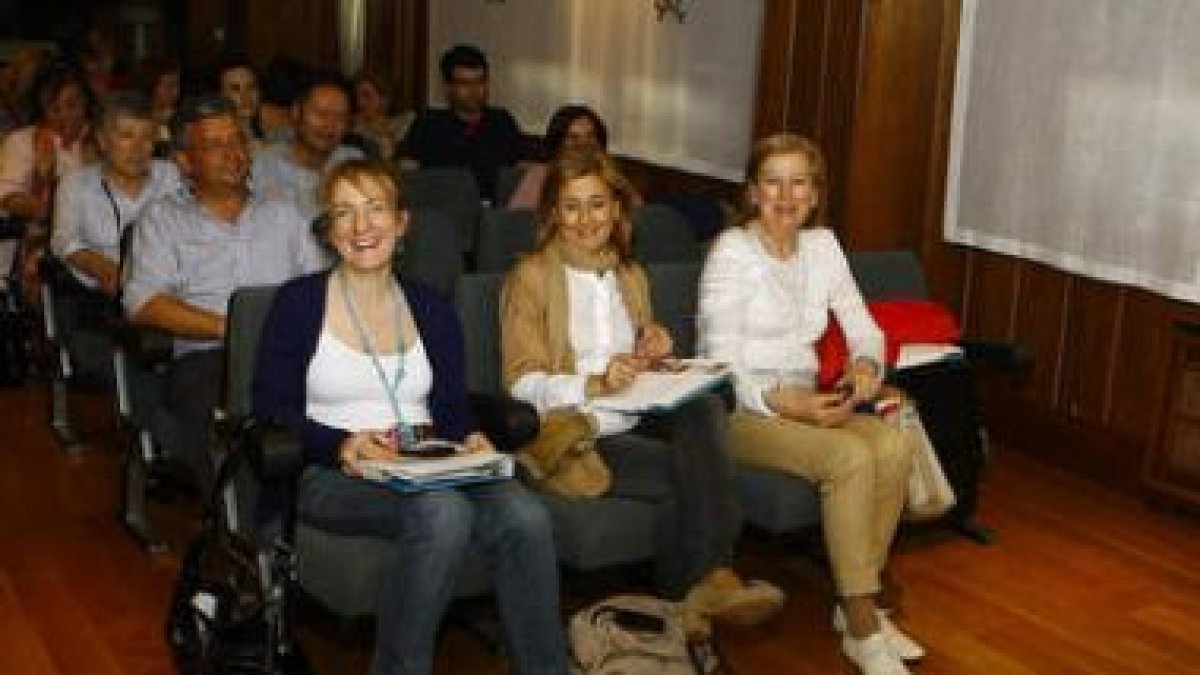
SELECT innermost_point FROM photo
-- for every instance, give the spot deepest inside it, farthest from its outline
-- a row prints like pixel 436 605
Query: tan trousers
pixel 861 470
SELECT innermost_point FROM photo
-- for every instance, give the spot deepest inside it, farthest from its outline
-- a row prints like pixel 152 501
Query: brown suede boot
pixel 722 596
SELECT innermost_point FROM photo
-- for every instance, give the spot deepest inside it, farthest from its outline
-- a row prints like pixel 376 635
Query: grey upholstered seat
pixel 504 234
pixel 452 191
pixel 431 250
pixel 661 234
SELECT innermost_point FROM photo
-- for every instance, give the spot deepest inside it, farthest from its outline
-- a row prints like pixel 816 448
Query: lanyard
pixel 389 385
pixel 112 201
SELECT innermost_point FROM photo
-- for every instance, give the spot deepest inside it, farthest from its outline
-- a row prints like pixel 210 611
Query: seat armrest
pixel 146 346
pixel 1004 356
pixel 509 423
pixel 273 450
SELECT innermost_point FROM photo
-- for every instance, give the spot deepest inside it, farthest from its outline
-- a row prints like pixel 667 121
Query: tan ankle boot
pixel 723 596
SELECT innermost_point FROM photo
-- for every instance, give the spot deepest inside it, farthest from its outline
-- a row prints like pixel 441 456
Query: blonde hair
pixel 581 163
pixel 787 143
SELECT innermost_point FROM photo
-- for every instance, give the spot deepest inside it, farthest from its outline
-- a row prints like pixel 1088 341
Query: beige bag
pixel 637 635
pixel 929 492
pixel 562 460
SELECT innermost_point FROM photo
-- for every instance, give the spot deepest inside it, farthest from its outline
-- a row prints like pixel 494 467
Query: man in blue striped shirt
pixel 193 249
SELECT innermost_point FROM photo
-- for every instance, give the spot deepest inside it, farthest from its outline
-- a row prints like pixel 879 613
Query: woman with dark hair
pixel 375 118
pixel 577 324
pixel 159 81
pixel 570 127
pixel 768 289
pixel 356 361
pixel 16 88
pixel 237 80
pixel 33 158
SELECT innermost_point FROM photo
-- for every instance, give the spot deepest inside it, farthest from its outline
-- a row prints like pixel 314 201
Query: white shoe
pixel 873 655
pixel 904 647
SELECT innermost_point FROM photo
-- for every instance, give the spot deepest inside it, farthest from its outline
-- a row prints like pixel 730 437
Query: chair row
pixel 493 235
pixel 342 572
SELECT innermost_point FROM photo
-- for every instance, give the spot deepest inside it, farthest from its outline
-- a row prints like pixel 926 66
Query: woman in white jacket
pixel 765 297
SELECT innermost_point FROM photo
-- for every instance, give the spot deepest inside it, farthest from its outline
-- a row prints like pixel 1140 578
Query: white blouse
pixel 599 327
pixel 764 315
pixel 343 390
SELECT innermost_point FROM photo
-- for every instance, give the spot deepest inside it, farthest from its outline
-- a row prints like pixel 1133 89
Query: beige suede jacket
pixel 533 313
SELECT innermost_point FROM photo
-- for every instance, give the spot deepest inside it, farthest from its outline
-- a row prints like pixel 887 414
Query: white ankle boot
pixel 904 647
pixel 873 655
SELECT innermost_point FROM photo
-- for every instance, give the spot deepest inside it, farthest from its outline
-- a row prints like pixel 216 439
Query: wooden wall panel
pixel 993 300
pixel 207 32
pixel 1040 328
pixel 1143 352
pixel 1088 357
pixel 305 30
pixel 892 139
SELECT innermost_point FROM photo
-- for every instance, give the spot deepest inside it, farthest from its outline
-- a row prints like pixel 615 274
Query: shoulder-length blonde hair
pixel 786 143
pixel 581 163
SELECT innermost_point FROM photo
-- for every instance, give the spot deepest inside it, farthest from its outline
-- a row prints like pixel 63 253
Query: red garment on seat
pixel 902 322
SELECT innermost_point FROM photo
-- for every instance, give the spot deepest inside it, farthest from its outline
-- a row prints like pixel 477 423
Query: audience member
pixel 765 297
pixel 571 127
pixel 33 158
pixel 293 169
pixel 375 117
pixel 351 356
pixel 98 59
pixel 284 80
pixel 237 80
pixel 191 250
pixel 94 205
pixel 159 80
pixel 469 133
pixel 16 88
pixel 577 324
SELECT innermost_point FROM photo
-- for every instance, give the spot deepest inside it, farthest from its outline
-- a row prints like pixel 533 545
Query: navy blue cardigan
pixel 289 341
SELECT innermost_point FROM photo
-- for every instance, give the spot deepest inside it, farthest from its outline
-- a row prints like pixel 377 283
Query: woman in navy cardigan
pixel 359 364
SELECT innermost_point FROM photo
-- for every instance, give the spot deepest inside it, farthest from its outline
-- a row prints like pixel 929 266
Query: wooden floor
pixel 1082 580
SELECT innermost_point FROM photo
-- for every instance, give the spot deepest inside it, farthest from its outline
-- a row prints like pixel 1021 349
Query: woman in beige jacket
pixel 577 324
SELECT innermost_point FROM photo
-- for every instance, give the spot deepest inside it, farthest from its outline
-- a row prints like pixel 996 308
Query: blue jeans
pixel 502 521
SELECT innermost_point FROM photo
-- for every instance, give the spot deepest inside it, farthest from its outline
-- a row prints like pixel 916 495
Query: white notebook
pixel 657 391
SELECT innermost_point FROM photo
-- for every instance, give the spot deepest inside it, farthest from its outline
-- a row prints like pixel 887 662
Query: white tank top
pixel 343 389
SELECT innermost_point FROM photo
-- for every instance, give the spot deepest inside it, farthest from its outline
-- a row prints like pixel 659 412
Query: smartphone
pixel 430 449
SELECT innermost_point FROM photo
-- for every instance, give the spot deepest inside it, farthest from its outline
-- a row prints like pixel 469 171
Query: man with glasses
pixel 469 133
pixel 193 249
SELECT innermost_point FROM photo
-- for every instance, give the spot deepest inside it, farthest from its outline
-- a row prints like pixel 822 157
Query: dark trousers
pixel 679 462
pixel 194 385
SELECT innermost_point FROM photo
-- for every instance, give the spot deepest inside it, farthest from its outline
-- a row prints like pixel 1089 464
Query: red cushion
pixel 902 322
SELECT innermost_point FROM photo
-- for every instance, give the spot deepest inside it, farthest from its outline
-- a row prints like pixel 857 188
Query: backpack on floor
pixel 228 608
pixel 637 635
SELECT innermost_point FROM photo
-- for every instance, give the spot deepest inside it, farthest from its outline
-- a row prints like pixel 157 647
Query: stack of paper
pixel 413 474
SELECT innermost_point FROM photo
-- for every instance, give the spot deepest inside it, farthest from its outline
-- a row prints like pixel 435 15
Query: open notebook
pixel 663 390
